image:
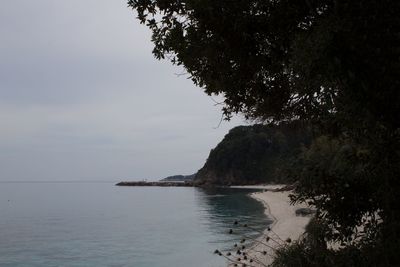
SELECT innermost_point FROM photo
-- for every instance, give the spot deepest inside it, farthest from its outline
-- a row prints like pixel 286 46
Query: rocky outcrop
pixel 254 154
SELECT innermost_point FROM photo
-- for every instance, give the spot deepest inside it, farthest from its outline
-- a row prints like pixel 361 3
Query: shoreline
pixel 286 224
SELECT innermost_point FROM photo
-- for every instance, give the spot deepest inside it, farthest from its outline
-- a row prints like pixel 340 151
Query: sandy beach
pixel 286 223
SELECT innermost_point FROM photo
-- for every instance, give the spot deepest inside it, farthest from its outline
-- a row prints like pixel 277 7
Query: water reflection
pixel 220 207
pixel 80 225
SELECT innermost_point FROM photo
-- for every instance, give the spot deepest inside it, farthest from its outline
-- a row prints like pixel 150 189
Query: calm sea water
pixel 99 224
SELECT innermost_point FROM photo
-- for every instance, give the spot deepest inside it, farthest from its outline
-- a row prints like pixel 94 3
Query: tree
pixel 281 59
pixel 334 63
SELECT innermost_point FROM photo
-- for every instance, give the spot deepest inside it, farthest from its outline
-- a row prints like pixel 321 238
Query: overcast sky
pixel 82 98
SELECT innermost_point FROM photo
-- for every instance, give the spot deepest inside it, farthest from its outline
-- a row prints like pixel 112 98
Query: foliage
pixel 285 58
pixel 312 251
pixel 179 178
pixel 355 189
pixel 253 154
pixel 333 63
pixel 334 176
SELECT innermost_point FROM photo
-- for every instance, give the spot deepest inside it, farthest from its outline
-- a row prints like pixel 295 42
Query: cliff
pixel 254 154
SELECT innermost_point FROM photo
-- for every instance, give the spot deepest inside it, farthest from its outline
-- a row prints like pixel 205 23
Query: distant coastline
pixel 179 178
pixel 158 183
pixel 170 181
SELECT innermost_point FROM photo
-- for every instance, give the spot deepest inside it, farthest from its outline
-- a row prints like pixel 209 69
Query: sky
pixel 83 98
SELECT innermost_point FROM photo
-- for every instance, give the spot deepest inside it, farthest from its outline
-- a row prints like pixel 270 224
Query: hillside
pixel 179 178
pixel 253 154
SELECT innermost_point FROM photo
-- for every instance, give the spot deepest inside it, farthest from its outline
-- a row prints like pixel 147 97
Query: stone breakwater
pixel 158 183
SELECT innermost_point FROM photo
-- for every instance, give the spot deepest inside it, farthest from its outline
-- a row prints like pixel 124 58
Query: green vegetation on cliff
pixel 178 178
pixel 254 154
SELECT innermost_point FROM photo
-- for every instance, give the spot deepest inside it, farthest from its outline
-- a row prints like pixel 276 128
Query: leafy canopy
pixel 284 59
pixel 334 63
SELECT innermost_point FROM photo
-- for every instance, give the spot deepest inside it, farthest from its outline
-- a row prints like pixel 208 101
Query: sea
pixel 94 224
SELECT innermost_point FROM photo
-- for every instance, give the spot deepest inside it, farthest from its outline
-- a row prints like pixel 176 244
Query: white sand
pixel 286 224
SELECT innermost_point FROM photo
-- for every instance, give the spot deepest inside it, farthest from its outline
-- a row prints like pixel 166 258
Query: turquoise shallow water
pixel 99 224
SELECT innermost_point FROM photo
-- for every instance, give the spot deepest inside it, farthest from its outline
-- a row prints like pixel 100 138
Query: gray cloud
pixel 81 97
